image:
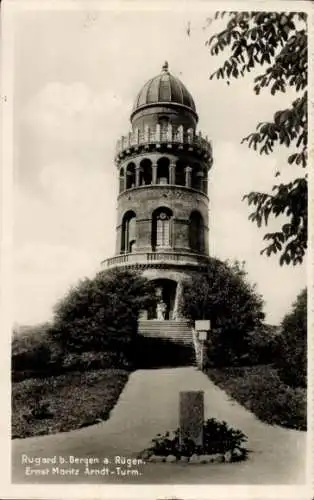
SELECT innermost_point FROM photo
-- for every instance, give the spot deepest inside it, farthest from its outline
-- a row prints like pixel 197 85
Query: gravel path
pixel 149 405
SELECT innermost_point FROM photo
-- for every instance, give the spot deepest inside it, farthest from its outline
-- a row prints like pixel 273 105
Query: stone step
pixel 164 322
pixel 178 333
pixel 186 336
pixel 164 325
pixel 167 330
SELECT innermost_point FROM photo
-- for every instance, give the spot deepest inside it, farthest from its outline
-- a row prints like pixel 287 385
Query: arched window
pixel 196 232
pixel 128 232
pixel 180 174
pixel 163 171
pixel 197 178
pixel 121 180
pixel 205 181
pixel 145 172
pixel 130 176
pixel 161 228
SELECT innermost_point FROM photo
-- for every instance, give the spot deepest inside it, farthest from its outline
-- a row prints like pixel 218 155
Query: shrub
pixel 291 357
pixel 101 314
pixel 34 352
pixel 92 360
pixel 261 390
pixel 218 437
pixel 41 411
pixel 261 344
pixel 223 295
pixel 95 326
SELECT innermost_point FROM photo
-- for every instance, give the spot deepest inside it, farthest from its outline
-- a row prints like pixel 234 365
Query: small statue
pixel 161 310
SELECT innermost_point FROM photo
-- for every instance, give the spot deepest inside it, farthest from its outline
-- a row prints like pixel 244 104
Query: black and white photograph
pixel 160 262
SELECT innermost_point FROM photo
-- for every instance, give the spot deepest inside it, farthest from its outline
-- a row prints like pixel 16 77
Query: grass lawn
pixel 260 390
pixel 73 400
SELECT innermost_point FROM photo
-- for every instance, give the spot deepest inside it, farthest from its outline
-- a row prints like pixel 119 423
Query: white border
pixel 8 490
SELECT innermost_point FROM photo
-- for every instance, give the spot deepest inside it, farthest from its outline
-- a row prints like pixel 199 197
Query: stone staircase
pixel 174 335
pixel 175 331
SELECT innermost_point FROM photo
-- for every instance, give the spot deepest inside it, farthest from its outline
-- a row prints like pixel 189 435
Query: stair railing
pixel 197 347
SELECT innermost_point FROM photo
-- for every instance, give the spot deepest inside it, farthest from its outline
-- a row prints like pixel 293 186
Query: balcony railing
pixel 155 257
pixel 162 135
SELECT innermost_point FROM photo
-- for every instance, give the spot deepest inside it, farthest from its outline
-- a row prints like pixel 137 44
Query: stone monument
pixel 191 410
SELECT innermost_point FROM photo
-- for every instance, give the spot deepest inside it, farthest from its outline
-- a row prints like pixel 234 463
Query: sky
pixel 76 75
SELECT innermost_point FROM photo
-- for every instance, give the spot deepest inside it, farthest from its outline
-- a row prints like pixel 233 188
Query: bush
pixel 261 390
pixel 92 360
pixel 261 346
pixel 223 295
pixel 95 327
pixel 218 437
pixel 41 411
pixel 291 357
pixel 35 353
pixel 101 314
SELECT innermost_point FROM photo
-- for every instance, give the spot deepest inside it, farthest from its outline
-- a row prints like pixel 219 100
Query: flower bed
pixel 220 444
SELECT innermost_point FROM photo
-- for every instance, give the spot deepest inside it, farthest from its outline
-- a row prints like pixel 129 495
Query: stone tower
pixel 162 213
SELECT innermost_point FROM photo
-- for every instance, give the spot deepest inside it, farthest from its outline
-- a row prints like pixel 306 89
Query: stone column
pixel 118 240
pixel 205 184
pixel 137 136
pixel 179 295
pixel 154 173
pixel 172 173
pixel 137 175
pixel 169 132
pixel 146 133
pixel 158 132
pixel 200 182
pixel 188 176
pixel 121 182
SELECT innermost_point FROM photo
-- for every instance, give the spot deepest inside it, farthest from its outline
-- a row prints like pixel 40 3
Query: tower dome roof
pixel 164 89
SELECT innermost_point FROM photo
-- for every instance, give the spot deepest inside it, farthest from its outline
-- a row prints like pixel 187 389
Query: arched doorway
pixel 166 295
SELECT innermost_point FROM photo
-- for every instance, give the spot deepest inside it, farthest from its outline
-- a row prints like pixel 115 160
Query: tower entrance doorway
pixel 165 290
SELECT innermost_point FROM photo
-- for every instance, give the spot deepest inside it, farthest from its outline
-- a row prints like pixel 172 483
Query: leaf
pixel 292 158
pixel 279 41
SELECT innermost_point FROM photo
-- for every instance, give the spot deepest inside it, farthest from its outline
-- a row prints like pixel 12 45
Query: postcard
pixel 156 257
